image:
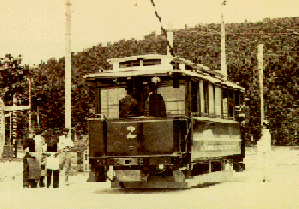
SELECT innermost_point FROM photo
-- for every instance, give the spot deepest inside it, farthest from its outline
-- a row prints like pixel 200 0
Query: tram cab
pixel 162 117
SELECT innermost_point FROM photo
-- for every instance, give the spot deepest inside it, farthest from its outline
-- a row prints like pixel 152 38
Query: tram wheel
pixel 100 174
pixel 239 166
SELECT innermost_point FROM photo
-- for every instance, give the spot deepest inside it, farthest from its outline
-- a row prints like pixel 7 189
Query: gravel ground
pixel 245 191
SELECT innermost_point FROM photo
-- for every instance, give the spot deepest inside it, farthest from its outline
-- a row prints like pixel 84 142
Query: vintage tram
pixel 163 122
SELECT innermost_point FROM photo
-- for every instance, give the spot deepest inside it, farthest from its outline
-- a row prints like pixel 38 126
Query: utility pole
pixel 223 55
pixel 68 72
pixel 2 127
pixel 264 144
pixel 261 77
pixel 14 126
pixel 29 118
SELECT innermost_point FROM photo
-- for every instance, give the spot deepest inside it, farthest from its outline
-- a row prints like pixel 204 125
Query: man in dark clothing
pixel 128 106
pixel 26 170
pixel 155 105
pixel 52 166
pixel 31 167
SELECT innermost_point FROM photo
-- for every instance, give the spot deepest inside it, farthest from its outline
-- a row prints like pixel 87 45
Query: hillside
pixel 201 45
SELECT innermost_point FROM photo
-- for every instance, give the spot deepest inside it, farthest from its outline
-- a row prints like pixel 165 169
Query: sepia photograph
pixel 149 104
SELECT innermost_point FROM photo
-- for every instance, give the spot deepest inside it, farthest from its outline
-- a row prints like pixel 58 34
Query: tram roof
pixel 164 69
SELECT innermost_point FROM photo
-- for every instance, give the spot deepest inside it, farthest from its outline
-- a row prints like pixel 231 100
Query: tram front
pixel 156 127
pixel 140 131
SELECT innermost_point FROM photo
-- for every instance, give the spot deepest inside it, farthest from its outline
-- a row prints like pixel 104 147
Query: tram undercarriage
pixel 168 176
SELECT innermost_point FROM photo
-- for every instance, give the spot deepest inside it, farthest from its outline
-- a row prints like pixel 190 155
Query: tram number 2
pixel 131 135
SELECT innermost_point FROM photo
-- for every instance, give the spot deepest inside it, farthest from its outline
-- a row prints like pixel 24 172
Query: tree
pixel 201 44
pixel 12 84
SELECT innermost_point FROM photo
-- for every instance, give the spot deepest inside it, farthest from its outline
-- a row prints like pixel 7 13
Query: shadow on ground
pixel 148 191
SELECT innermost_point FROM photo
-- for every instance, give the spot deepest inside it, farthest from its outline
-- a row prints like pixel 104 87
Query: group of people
pixel 44 161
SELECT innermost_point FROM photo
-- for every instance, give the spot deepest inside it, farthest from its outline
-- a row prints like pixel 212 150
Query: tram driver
pixel 128 106
pixel 155 105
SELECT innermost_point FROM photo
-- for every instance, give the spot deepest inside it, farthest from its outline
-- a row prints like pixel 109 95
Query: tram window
pixel 129 63
pixel 110 101
pixel 194 96
pixel 218 101
pixel 211 100
pixel 224 102
pixel 174 100
pixel 206 97
pixel 135 63
pixel 237 98
pixel 125 64
pixel 231 103
pixel 202 104
pixel 148 62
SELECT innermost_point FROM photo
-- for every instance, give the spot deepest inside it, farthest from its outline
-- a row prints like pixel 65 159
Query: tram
pixel 164 122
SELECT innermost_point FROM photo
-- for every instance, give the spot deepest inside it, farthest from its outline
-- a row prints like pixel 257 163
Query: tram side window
pixel 194 96
pixel 110 101
pixel 148 62
pixel 206 97
pixel 174 100
pixel 218 101
pixel 231 103
pixel 202 104
pixel 129 63
pixel 237 98
pixel 211 100
pixel 224 102
pixel 237 102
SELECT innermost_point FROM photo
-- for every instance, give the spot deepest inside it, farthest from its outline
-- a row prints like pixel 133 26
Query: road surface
pixel 246 191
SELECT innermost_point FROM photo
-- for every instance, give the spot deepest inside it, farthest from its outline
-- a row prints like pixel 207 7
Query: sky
pixel 36 28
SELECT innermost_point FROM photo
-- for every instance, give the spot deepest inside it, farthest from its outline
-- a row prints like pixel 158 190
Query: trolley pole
pixel 68 72
pixel 223 54
pixel 169 35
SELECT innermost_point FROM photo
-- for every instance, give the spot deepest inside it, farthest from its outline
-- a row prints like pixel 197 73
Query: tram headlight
pixel 156 79
pixel 161 166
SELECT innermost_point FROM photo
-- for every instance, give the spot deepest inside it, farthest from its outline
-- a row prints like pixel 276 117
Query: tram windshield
pixel 142 98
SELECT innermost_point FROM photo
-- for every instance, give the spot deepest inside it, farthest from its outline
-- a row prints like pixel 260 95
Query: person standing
pixel 65 145
pixel 40 148
pixel 52 166
pixel 34 170
pixel 31 167
pixel 155 105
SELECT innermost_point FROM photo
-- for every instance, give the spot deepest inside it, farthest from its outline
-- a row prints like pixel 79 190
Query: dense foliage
pixel 201 45
pixel 14 91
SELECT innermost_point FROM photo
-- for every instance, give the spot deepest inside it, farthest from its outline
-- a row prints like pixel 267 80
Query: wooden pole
pixel 30 125
pixel 68 73
pixel 223 54
pixel 261 77
pixel 2 128
pixel 14 126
